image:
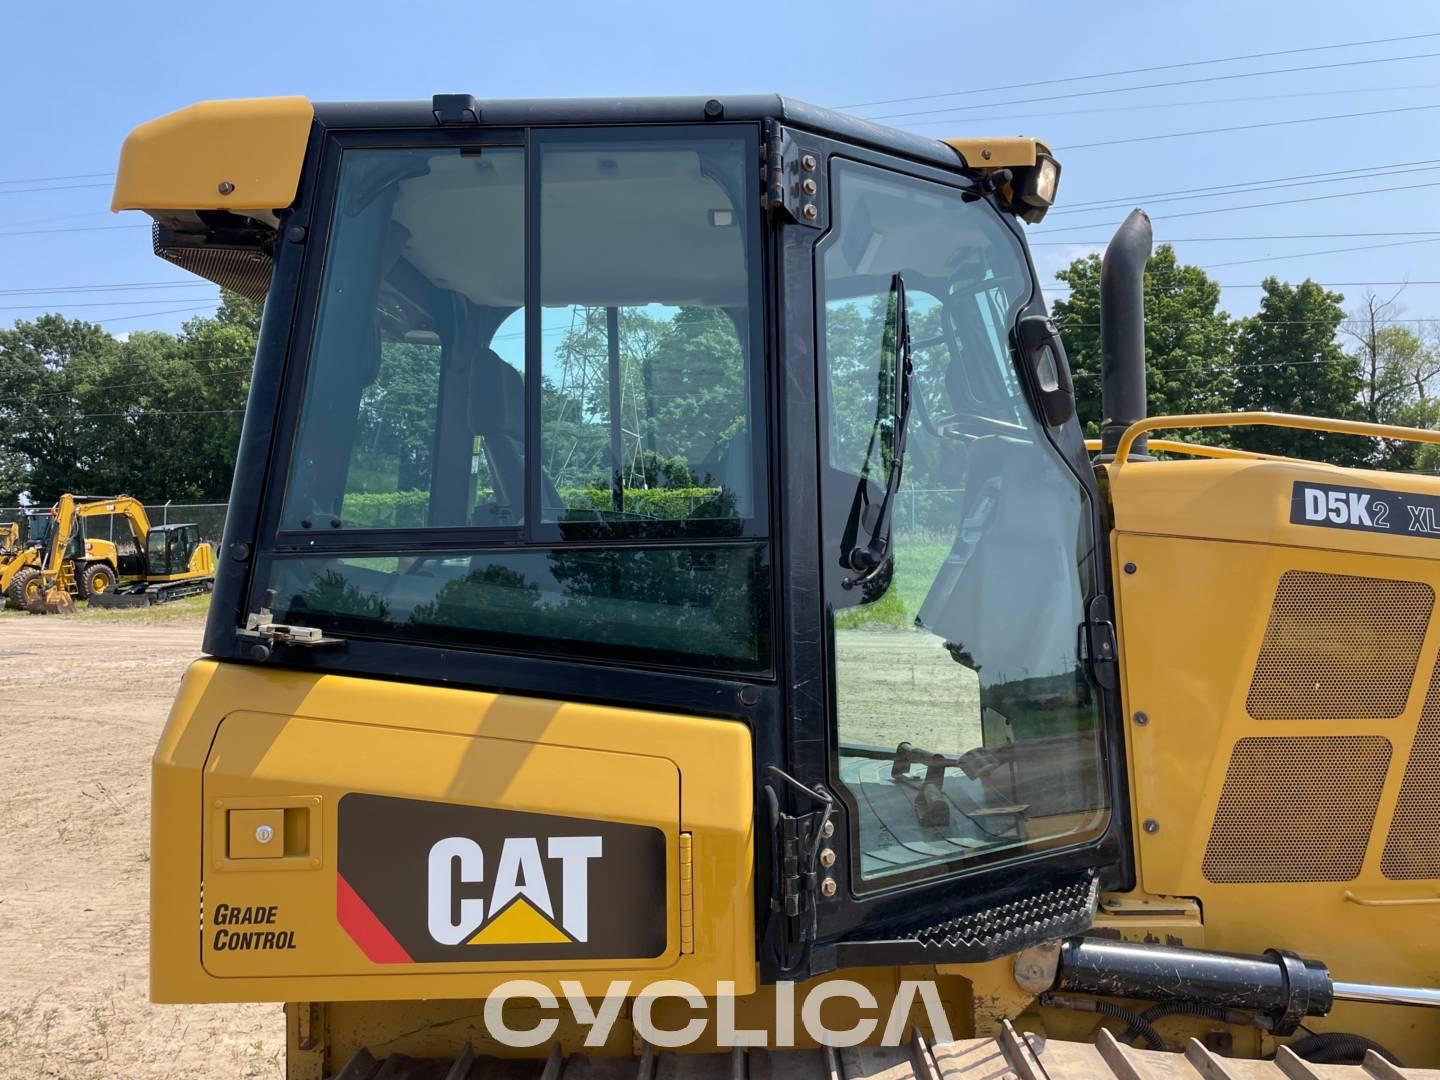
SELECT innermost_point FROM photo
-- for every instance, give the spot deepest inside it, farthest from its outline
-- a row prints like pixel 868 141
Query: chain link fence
pixel 209 516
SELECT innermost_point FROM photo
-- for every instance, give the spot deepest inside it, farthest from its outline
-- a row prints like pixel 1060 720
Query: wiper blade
pixel 869 560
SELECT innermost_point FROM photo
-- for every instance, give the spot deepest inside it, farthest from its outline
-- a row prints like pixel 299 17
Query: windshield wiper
pixel 870 559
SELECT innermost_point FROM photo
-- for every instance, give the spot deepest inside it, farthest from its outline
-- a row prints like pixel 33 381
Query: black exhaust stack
pixel 1122 332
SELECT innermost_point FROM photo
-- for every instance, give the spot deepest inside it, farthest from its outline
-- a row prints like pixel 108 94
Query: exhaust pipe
pixel 1122 332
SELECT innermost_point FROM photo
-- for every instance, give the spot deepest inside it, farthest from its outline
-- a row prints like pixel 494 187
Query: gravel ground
pixel 84 699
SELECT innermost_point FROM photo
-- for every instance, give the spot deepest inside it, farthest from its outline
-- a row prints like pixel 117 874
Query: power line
pixel 1189 103
pixel 1340 176
pixel 1229 239
pixel 79 176
pixel 119 286
pixel 91 304
pixel 1325 251
pixel 148 314
pixel 1157 86
pixel 75 228
pixel 1268 322
pixel 1322 284
pixel 65 187
pixel 1249 127
pixel 60 217
pixel 128 386
pixel 141 414
pixel 1141 70
pixel 1256 206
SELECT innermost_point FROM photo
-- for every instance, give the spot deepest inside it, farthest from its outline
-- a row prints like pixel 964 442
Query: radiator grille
pixel 1339 647
pixel 1297 809
pixel 1412 850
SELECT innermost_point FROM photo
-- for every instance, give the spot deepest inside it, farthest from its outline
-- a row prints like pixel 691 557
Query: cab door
pixel 961 756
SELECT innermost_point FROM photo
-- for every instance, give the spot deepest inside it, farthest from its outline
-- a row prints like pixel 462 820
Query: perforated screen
pixel 1339 647
pixel 1297 809
pixel 1412 850
pixel 241 268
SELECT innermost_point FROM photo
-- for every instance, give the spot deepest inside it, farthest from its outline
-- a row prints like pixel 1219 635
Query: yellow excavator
pixel 61 562
pixel 578 703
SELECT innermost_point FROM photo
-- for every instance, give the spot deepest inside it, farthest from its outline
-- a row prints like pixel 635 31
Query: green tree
pixel 50 370
pixel 1189 341
pixel 156 416
pixel 1287 360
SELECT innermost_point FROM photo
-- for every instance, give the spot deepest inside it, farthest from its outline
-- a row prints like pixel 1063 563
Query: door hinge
pixel 794 178
pixel 795 868
pixel 687 893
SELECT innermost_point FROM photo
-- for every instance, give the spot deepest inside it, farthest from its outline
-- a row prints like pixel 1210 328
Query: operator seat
pixel 497 413
pixel 1010 606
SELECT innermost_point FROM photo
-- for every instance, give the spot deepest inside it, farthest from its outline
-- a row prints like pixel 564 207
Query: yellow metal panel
pixel 1208 542
pixel 261 754
pixel 1002 151
pixel 304 734
pixel 1250 501
pixel 186 159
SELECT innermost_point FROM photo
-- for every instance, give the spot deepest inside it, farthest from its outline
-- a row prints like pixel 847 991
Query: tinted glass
pixel 646 281
pixel 414 413
pixel 690 606
pixel 965 721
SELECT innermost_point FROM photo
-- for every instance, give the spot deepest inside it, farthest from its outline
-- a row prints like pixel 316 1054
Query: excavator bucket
pixel 58 601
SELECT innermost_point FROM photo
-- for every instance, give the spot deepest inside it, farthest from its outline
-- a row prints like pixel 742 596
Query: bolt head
pixel 1141 719
pixel 226 187
pixel 809 211
pixel 808 163
pixel 1130 568
pixel 264 834
pixel 808 186
pixel 828 887
pixel 1151 825
pixel 827 858
pixel 829 830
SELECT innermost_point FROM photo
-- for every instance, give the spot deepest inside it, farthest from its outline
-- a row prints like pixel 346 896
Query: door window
pixel 965 726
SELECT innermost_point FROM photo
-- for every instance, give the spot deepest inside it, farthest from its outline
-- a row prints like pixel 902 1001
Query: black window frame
pixel 899 906
pixel 274 543
pixel 532 531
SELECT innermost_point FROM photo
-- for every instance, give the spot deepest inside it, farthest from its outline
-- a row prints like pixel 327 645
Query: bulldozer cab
pixel 740 410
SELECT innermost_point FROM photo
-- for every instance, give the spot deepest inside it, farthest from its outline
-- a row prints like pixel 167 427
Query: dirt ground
pixel 82 702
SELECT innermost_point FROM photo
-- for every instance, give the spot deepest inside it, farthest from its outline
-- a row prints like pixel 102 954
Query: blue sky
pixel 77 77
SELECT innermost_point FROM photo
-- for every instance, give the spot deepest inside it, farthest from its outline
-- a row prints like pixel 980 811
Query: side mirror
pixel 1041 351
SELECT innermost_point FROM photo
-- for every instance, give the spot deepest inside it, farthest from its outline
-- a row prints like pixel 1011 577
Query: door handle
pixel 1415 901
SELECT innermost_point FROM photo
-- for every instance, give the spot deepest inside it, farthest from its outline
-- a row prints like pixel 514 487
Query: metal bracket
pixel 261 626
pixel 1035 967
pixel 795 184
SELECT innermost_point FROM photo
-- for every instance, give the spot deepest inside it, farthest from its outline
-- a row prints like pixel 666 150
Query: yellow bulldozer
pixel 60 561
pixel 669 623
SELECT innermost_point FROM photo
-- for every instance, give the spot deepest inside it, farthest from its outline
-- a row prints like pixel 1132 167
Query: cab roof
pixel 246 154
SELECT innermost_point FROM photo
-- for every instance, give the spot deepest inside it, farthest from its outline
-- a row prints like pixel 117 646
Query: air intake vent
pixel 1297 809
pixel 1339 648
pixel 1412 850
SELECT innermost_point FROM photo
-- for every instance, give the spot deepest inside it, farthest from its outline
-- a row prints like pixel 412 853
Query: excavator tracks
pixel 1008 1056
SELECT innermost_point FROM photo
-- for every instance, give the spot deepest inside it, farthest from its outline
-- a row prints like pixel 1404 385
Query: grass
pixel 192 607
pixel 916 565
